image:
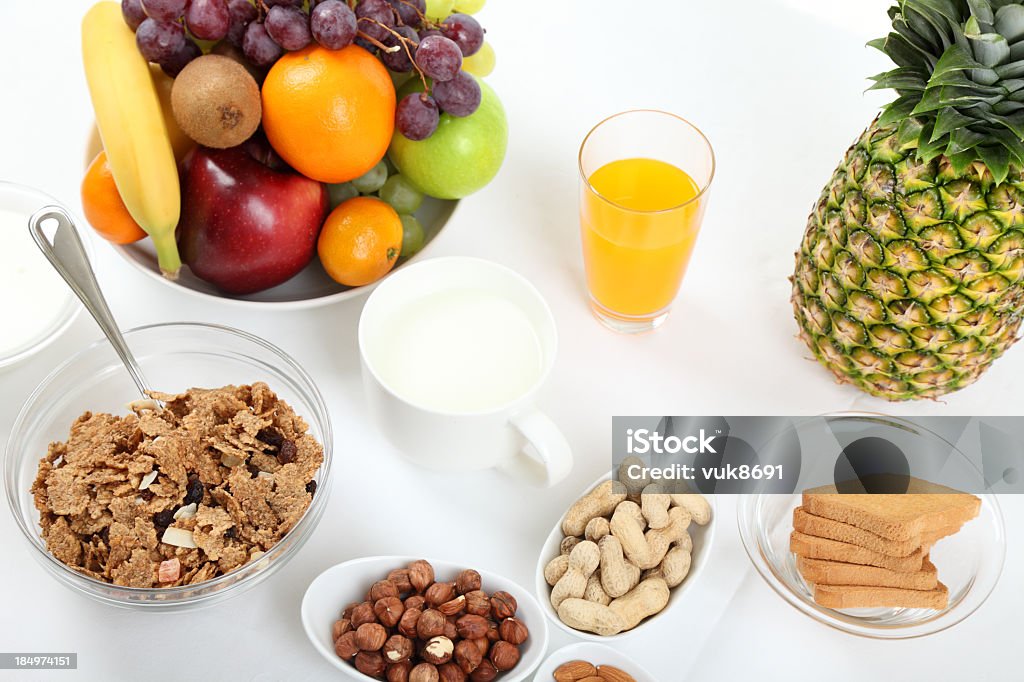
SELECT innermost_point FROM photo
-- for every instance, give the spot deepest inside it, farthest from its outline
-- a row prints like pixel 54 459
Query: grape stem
pixel 403 43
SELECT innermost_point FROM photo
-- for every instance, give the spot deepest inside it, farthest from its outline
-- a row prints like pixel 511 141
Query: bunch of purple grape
pixel 397 31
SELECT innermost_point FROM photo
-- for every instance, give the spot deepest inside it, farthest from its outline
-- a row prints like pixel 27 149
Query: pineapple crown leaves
pixel 959 78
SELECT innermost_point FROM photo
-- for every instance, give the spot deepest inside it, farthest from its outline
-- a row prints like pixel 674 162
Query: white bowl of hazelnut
pixel 404 619
pixel 621 556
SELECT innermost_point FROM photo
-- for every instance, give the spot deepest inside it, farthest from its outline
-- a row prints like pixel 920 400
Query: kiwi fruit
pixel 216 102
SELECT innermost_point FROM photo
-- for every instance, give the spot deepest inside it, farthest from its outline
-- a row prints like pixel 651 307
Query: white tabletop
pixel 777 86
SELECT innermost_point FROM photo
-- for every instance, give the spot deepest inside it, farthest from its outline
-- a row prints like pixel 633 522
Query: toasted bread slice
pixel 859 597
pixel 822 572
pixel 925 508
pixel 831 550
pixel 809 524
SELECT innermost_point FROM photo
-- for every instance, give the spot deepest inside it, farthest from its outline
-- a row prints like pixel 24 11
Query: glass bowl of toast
pixel 875 559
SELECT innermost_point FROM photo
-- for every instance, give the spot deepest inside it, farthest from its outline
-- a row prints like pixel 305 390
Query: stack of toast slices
pixel 872 550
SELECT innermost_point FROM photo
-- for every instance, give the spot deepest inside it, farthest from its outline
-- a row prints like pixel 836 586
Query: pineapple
pixel 909 282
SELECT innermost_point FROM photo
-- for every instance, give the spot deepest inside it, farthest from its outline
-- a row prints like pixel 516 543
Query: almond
pixel 612 674
pixel 574 671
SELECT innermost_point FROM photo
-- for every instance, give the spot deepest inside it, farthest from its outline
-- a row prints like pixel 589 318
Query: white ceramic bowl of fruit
pixel 334 590
pixel 306 160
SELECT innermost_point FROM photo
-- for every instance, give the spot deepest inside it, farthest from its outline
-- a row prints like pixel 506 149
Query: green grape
pixel 412 236
pixel 482 63
pixel 341 192
pixel 439 9
pixel 373 180
pixel 402 196
pixel 469 6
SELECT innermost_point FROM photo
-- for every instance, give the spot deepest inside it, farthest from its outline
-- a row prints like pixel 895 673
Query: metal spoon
pixel 68 257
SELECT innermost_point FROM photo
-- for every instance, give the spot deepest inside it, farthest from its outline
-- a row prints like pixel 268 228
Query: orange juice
pixel 639 225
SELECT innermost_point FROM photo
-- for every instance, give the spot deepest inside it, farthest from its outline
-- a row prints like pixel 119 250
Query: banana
pixel 132 127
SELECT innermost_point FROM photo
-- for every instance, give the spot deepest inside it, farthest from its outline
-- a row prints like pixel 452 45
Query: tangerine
pixel 103 206
pixel 360 241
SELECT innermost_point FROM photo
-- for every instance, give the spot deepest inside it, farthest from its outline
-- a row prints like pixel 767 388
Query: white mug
pixel 454 351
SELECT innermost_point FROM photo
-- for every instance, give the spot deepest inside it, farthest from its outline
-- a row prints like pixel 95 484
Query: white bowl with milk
pixel 36 306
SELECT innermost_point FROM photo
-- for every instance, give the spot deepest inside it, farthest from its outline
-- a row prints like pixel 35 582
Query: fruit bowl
pixel 309 289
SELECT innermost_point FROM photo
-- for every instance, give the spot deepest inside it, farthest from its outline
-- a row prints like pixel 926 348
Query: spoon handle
pixel 68 257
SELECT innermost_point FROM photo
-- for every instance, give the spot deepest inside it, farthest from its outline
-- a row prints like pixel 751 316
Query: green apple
pixel 463 154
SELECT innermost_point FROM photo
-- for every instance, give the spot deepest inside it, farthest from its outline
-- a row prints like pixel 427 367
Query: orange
pixel 360 241
pixel 103 206
pixel 329 113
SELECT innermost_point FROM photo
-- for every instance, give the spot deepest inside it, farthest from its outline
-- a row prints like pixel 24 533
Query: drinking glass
pixel 644 180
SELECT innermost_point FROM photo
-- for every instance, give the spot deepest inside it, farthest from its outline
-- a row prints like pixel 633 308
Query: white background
pixel 778 87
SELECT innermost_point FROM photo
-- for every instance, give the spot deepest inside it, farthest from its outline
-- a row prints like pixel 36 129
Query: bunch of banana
pixel 132 127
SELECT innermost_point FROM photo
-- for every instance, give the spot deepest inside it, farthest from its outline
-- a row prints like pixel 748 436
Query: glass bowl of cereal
pixel 182 499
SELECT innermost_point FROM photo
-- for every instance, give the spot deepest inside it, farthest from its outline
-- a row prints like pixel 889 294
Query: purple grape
pixel 164 10
pixel 158 41
pixel 371 14
pixel 242 14
pixel 460 96
pixel 258 47
pixel 399 60
pixel 208 19
pixel 366 45
pixel 417 116
pixel 180 59
pixel 410 11
pixel 333 24
pixel 465 31
pixel 289 27
pixel 439 58
pixel 429 32
pixel 283 3
pixel 133 13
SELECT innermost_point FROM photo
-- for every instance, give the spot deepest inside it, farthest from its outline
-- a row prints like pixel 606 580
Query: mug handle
pixel 554 456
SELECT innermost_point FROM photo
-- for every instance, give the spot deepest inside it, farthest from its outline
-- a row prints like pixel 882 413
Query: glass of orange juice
pixel 644 180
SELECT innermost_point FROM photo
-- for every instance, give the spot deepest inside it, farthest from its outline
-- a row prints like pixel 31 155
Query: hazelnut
pixel 503 605
pixel 340 627
pixel 363 613
pixel 398 672
pixel 398 648
pixel 513 631
pixel 450 630
pixel 492 631
pixel 439 593
pixel 482 644
pixel 407 623
pixel 389 611
pixel 449 672
pixel 370 663
pixel 345 646
pixel 347 613
pixel 424 672
pixel 438 650
pixel 430 624
pixel 453 607
pixel 467 581
pixel 468 655
pixel 472 627
pixel 400 577
pixel 415 602
pixel 371 636
pixel 421 575
pixel 485 672
pixel 504 656
pixel 381 589
pixel 478 603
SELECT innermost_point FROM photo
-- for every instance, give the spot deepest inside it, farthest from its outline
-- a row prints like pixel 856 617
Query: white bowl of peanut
pixel 617 559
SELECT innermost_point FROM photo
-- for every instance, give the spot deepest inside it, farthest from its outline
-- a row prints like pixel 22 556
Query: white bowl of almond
pixel 589 661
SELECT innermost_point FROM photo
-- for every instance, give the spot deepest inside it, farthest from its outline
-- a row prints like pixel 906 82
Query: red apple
pixel 247 223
